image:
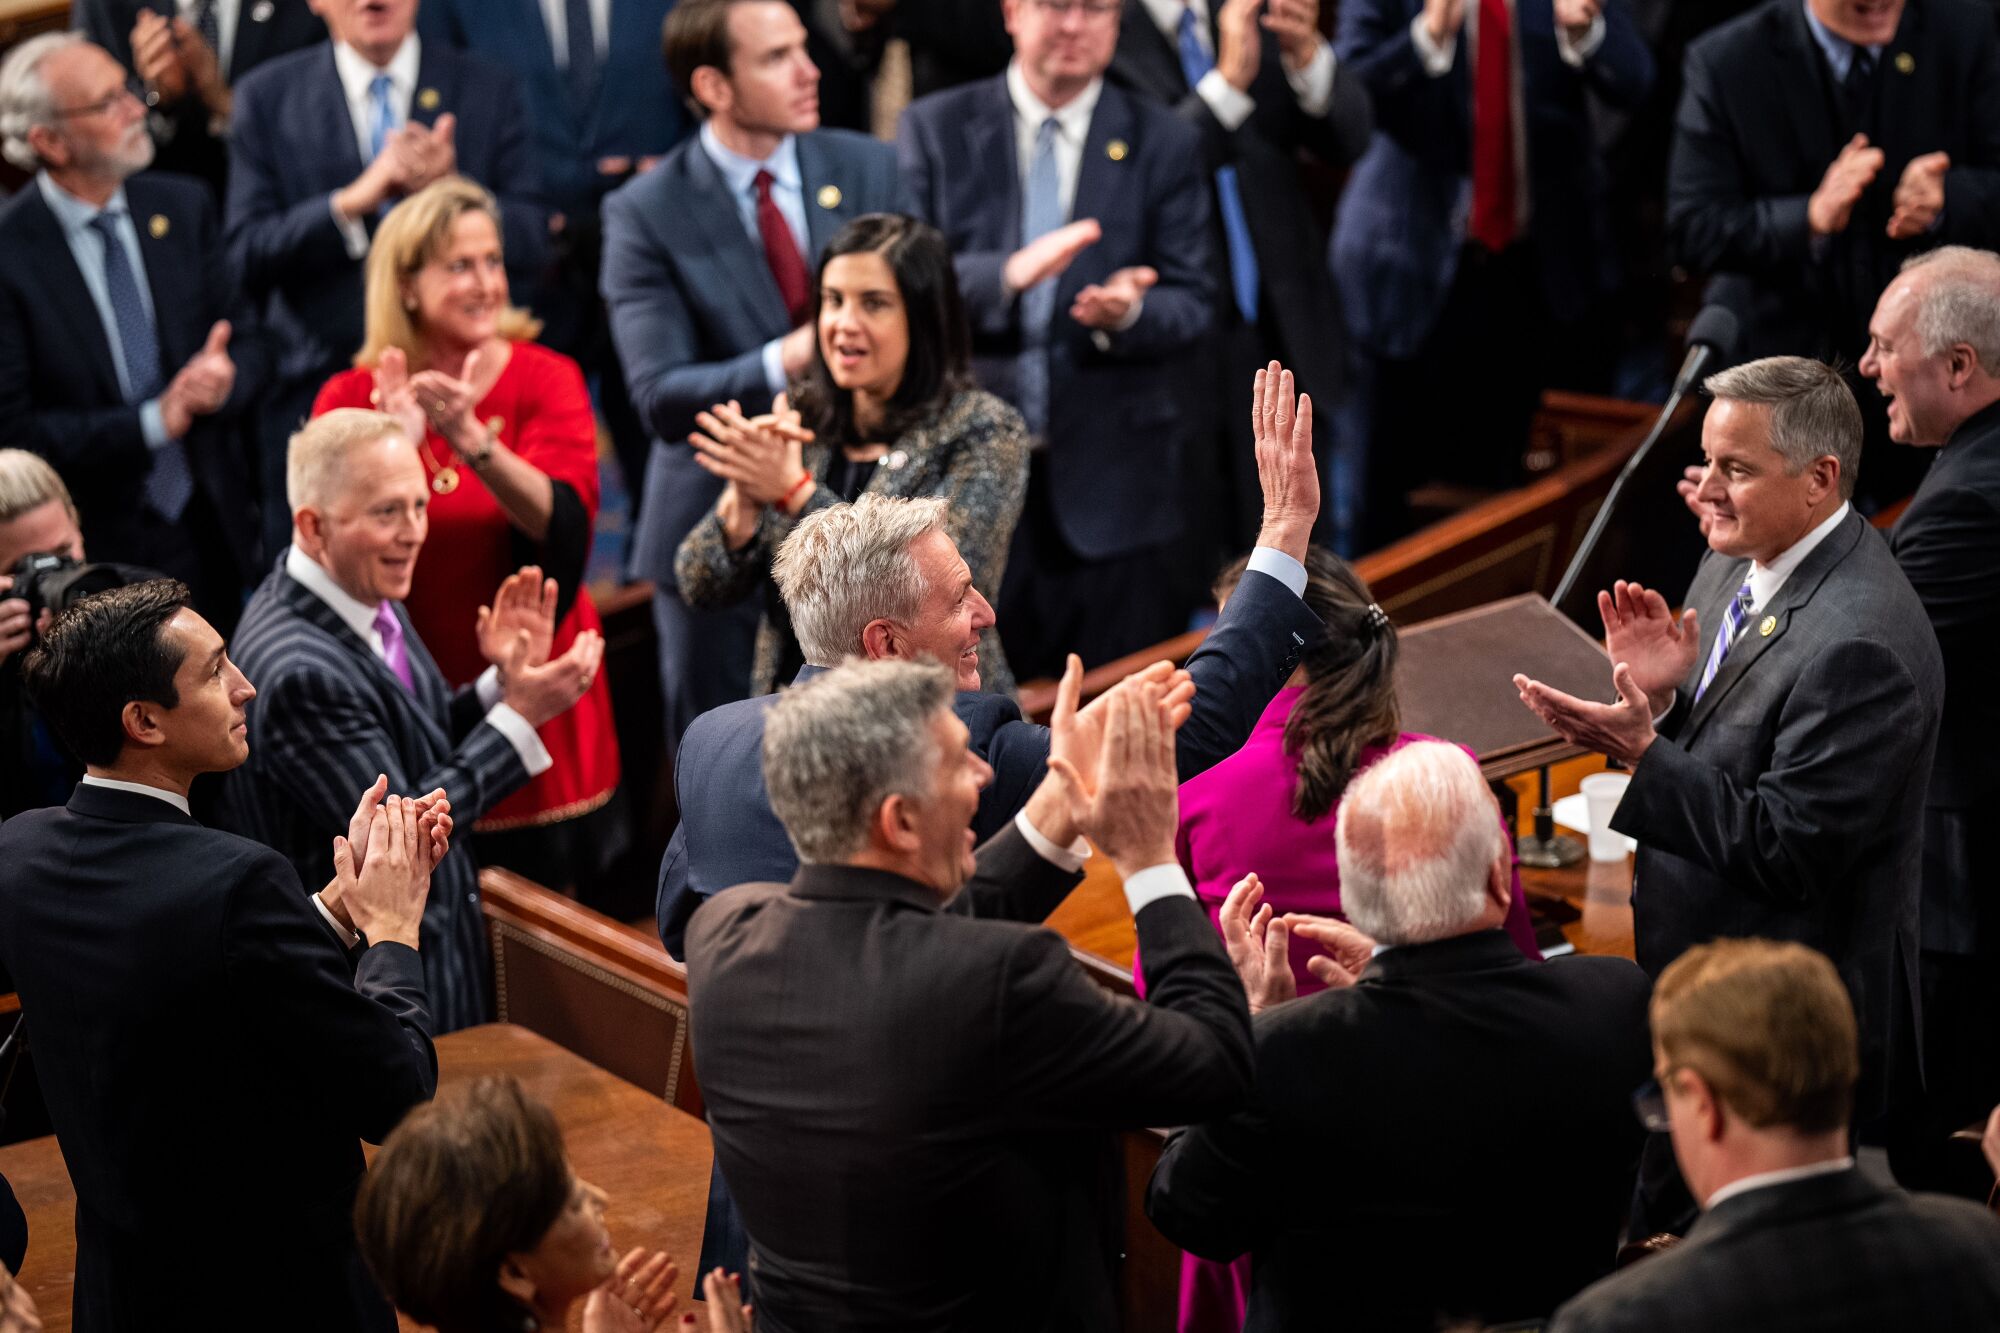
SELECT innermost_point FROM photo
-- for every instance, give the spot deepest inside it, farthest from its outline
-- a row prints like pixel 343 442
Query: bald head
pixel 1422 854
pixel 1934 343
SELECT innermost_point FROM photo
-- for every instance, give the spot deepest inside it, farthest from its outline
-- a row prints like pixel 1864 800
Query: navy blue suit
pixel 692 304
pixel 59 392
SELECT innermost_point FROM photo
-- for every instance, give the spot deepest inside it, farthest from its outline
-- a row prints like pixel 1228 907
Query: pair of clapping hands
pixel 382 866
pixel 515 634
pixel 1258 942
pixel 639 1297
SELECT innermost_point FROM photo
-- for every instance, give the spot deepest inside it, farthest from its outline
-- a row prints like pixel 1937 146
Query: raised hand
pixel 1443 19
pixel 1689 488
pixel 525 604
pixel 1259 946
pixel 428 154
pixel 19 1315
pixel 762 456
pixel 1640 629
pixel 384 899
pixel 1296 22
pixel 1832 204
pixel 1286 469
pixel 1239 46
pixel 393 395
pixel 1919 196
pixel 200 387
pixel 723 1294
pixel 1621 730
pixel 1343 950
pixel 156 59
pixel 1050 254
pixel 539 693
pixel 1577 16
pixel 1133 810
pixel 1110 304
pixel 451 403
pixel 203 66
pixel 636 1298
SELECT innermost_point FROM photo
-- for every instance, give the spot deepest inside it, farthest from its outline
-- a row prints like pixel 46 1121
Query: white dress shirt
pixel 356 74
pixel 788 192
pixel 1767 1179
pixel 1766 580
pixel 555 14
pixel 1313 85
pixel 1072 128
pixel 358 616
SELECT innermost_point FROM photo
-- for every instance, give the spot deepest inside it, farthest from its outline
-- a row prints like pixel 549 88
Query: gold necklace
pixel 444 477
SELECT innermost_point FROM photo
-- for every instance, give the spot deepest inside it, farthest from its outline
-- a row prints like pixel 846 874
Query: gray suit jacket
pixel 1788 803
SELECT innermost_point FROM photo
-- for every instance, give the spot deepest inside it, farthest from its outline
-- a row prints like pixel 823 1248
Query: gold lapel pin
pixel 1767 626
pixel 829 196
pixel 1905 63
pixel 1117 150
pixel 159 226
pixel 428 99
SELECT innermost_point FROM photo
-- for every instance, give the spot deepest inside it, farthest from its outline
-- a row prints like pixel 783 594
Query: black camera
pixel 52 581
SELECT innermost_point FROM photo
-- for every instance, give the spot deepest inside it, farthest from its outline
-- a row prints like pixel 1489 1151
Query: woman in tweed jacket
pixel 887 406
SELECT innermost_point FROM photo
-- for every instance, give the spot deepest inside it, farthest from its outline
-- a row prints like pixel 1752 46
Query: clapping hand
pixel 1286 470
pixel 1112 304
pixel 393 394
pixel 383 898
pixel 19 1315
pixel 1576 16
pixel 425 153
pixel 451 403
pixel 1919 197
pixel 761 455
pixel 1642 630
pixel 525 604
pixel 1297 24
pixel 540 693
pixel 434 826
pixel 1258 945
pixel 1830 206
pixel 156 58
pixel 723 1294
pixel 636 1298
pixel 1133 809
pixel 1050 254
pixel 1622 731
pixel 1443 19
pixel 1344 951
pixel 1239 47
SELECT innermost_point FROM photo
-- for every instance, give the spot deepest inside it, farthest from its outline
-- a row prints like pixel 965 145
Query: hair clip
pixel 1378 619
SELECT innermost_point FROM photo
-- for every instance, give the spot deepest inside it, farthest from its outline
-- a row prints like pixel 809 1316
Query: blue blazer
pixel 692 304
pixel 293 146
pixel 729 835
pixel 1403 215
pixel 1116 433
pixel 634 112
pixel 59 394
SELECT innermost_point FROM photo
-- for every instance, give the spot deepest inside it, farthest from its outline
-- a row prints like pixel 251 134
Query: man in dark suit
pixel 1550 1052
pixel 708 275
pixel 349 691
pixel 208 1048
pixel 325 141
pixel 920 1140
pixel 117 361
pixel 1817 144
pixel 589 72
pixel 1472 236
pixel 188 54
pixel 1260 90
pixel 1934 353
pixel 1078 215
pixel 1780 792
pixel 1754 1066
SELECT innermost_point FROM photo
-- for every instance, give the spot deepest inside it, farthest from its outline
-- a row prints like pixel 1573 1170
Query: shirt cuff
pixel 1229 106
pixel 1132 314
pixel 348 938
pixel 487 687
pixel 1437 60
pixel 153 424
pixel 1575 53
pixel 1145 887
pixel 1673 697
pixel 774 366
pixel 534 755
pixel 353 231
pixel 1270 560
pixel 1069 858
pixel 1313 85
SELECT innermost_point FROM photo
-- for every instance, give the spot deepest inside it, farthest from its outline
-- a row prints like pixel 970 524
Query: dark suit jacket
pixel 263 32
pixel 1264 150
pixel 910 1104
pixel 210 1057
pixel 1831 1253
pixel 1115 435
pixel 293 145
pixel 729 835
pixel 1441 1160
pixel 634 113
pixel 1948 545
pixel 1402 217
pixel 1759 125
pixel 1788 803
pixel 329 716
pixel 59 392
pixel 692 304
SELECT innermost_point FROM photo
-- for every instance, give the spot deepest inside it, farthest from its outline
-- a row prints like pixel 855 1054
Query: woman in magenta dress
pixel 1269 809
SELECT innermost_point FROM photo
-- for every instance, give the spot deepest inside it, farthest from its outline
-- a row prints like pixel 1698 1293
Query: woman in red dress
pixel 506 435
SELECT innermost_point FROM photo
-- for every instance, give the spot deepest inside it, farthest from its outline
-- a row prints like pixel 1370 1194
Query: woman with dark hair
pixel 473 1222
pixel 1268 810
pixel 887 406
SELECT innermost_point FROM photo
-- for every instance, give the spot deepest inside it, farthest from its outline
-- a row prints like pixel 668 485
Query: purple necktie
pixel 394 653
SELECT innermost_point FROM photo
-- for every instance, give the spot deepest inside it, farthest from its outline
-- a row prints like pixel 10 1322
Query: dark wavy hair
pixel 1350 698
pixel 940 358
pixel 106 651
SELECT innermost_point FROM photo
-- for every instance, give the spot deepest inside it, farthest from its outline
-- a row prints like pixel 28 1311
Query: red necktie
pixel 781 251
pixel 1493 129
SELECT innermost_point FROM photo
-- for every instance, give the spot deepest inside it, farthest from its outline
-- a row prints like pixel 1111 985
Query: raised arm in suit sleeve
pixel 1013 882
pixel 991 306
pixel 1180 307
pixel 364 1044
pixel 1621 70
pixel 1715 218
pixel 1372 40
pixel 268 238
pixel 1853 726
pixel 1212 1191
pixel 1245 660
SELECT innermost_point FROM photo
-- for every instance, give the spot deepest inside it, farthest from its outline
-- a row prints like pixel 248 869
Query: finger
pixel 1277 947
pixel 1628 689
pixel 445 129
pixel 343 860
pixel 547 610
pixel 1142 277
pixel 1607 609
pixel 1302 424
pixel 469 372
pixel 1068 690
pixel 1074 792
pixel 1329 972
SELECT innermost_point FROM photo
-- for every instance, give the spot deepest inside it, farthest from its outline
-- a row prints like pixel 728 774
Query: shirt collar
pixel 356 614
pixel 740 172
pixel 356 73
pixel 72 213
pixel 1766 1179
pixel 1072 122
pixel 1765 580
pixel 173 798
pixel 1839 51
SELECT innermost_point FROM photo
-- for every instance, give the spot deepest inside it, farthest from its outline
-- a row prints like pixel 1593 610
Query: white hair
pixel 316 456
pixel 850 564
pixel 1417 836
pixel 1959 302
pixel 26 101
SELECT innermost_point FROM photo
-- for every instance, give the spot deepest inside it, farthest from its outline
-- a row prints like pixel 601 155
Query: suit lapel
pixel 1900 90
pixel 325 109
pixel 1152 61
pixel 315 612
pixel 251 35
pixel 712 210
pixel 1103 183
pixel 1812 101
pixel 989 139
pixel 67 292
pixel 167 271
pixel 818 174
pixel 437 86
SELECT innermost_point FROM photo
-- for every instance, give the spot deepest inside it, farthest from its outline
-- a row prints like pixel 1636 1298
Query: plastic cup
pixel 1603 791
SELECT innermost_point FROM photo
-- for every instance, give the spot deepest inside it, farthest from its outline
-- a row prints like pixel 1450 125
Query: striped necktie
pixel 1041 213
pixel 169 481
pixel 1733 622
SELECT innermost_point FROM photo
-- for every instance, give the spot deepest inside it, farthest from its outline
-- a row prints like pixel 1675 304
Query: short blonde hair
pixel 411 236
pixel 28 482
pixel 317 452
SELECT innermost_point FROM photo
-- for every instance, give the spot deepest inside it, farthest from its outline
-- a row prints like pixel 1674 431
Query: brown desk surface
pixel 652 1159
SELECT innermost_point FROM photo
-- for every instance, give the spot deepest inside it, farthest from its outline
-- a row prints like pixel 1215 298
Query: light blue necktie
pixel 1195 65
pixel 1733 622
pixel 169 484
pixel 381 114
pixel 1041 213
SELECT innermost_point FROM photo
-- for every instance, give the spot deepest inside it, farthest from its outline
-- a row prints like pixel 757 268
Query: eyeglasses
pixel 1649 1103
pixel 132 89
pixel 1102 10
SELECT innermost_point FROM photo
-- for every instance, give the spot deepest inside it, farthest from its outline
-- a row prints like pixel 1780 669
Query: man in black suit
pixel 1780 792
pixel 1817 144
pixel 349 690
pixel 188 54
pixel 1754 1067
pixel 1934 352
pixel 908 1083
pixel 117 361
pixel 210 1040
pixel 1378 1071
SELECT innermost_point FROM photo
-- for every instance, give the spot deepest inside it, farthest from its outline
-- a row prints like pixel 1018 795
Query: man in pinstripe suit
pixel 347 691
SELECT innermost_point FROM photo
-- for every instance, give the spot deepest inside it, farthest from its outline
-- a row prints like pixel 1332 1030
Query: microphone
pixel 1710 338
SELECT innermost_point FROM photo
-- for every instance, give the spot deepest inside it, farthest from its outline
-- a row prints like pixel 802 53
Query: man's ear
pixel 1960 363
pixel 882 639
pixel 1709 1115
pixel 710 87
pixel 309 530
pixel 1500 880
pixel 896 824
pixel 142 724
pixel 1825 472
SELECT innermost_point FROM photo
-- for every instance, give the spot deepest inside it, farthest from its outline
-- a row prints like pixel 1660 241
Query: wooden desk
pixel 652 1159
